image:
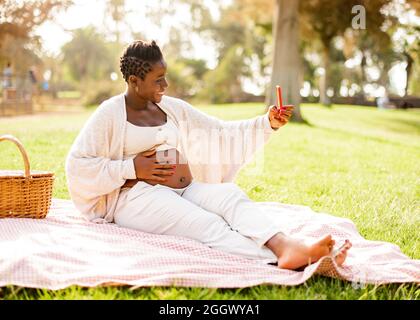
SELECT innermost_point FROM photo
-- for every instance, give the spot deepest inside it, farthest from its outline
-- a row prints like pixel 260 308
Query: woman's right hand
pixel 147 168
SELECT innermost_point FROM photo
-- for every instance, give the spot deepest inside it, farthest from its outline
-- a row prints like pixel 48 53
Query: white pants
pixel 218 215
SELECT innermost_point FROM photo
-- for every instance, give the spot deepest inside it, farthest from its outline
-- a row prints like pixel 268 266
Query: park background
pixel 351 68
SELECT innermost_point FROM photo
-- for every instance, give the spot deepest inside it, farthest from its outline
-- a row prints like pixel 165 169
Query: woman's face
pixel 152 88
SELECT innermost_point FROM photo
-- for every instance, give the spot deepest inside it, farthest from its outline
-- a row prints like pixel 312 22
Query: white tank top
pixel 139 139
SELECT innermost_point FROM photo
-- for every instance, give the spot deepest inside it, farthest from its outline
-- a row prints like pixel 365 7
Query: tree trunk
pixel 286 65
pixel 408 70
pixel 363 73
pixel 323 86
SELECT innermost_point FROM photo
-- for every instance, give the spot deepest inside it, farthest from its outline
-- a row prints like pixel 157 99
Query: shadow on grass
pixel 394 124
pixel 304 122
pixel 362 136
pixel 412 126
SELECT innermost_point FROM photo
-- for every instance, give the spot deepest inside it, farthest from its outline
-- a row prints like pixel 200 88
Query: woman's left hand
pixel 279 118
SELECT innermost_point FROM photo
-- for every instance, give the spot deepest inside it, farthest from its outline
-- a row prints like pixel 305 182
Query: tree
pixel 325 20
pixel 223 83
pixel 411 49
pixel 410 52
pixel 320 22
pixel 407 42
pixel 414 4
pixel 117 10
pixel 18 44
pixel 373 45
pixel 22 54
pixel 286 65
pixel 235 28
pixel 18 18
pixel 400 42
pixel 88 55
pixel 185 75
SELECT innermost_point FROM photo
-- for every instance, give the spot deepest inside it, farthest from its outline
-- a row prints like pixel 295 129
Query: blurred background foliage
pixel 336 62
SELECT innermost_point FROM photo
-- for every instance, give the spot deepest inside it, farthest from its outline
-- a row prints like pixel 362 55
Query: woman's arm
pixel 236 141
pixel 91 170
pixel 94 177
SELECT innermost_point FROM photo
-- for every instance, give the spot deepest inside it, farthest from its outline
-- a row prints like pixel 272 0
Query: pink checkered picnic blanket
pixel 64 250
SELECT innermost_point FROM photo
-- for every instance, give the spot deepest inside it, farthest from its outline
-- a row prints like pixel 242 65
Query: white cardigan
pixel 95 169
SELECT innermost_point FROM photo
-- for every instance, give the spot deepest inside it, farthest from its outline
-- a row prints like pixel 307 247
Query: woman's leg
pixel 159 210
pixel 245 216
pixel 232 204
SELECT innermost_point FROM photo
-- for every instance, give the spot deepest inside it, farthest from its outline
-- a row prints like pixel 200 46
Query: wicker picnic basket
pixel 24 194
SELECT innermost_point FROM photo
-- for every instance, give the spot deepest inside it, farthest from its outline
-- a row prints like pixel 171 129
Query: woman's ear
pixel 132 81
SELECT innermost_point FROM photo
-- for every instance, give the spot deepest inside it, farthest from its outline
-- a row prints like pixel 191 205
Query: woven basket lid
pixel 21 174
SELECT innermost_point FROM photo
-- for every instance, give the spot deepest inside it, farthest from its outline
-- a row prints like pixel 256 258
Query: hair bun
pixel 138 58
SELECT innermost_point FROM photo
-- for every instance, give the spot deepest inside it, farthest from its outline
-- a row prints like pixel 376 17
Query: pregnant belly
pixel 182 176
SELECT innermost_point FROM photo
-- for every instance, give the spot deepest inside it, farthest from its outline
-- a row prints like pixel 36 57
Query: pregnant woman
pixel 155 163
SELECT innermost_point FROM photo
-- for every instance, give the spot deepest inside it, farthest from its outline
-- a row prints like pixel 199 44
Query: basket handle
pixel 22 151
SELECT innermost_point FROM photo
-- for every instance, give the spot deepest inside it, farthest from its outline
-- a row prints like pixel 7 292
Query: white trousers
pixel 219 215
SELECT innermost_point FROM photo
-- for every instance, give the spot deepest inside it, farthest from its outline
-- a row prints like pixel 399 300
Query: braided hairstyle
pixel 138 59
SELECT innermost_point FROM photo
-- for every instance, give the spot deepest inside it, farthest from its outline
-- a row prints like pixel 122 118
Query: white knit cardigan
pixel 95 169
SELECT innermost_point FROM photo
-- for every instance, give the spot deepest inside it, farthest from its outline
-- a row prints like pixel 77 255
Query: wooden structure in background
pixel 16 96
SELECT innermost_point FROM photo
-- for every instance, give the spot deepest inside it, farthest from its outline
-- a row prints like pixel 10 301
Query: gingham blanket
pixel 64 250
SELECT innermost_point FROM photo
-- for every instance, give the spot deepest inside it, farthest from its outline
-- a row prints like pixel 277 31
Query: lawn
pixel 355 162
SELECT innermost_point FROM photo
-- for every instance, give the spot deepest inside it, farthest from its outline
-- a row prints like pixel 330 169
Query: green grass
pixel 69 94
pixel 355 162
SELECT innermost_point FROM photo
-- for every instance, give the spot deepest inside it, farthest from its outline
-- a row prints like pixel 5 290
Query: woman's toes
pixel 325 241
pixel 331 246
pixel 327 238
pixel 341 257
pixel 348 243
pixel 321 248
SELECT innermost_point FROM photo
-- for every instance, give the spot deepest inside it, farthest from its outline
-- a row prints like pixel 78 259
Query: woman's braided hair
pixel 138 59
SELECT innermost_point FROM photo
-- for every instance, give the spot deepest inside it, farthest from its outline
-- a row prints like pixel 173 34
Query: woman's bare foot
pixel 297 254
pixel 341 254
pixel 293 253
